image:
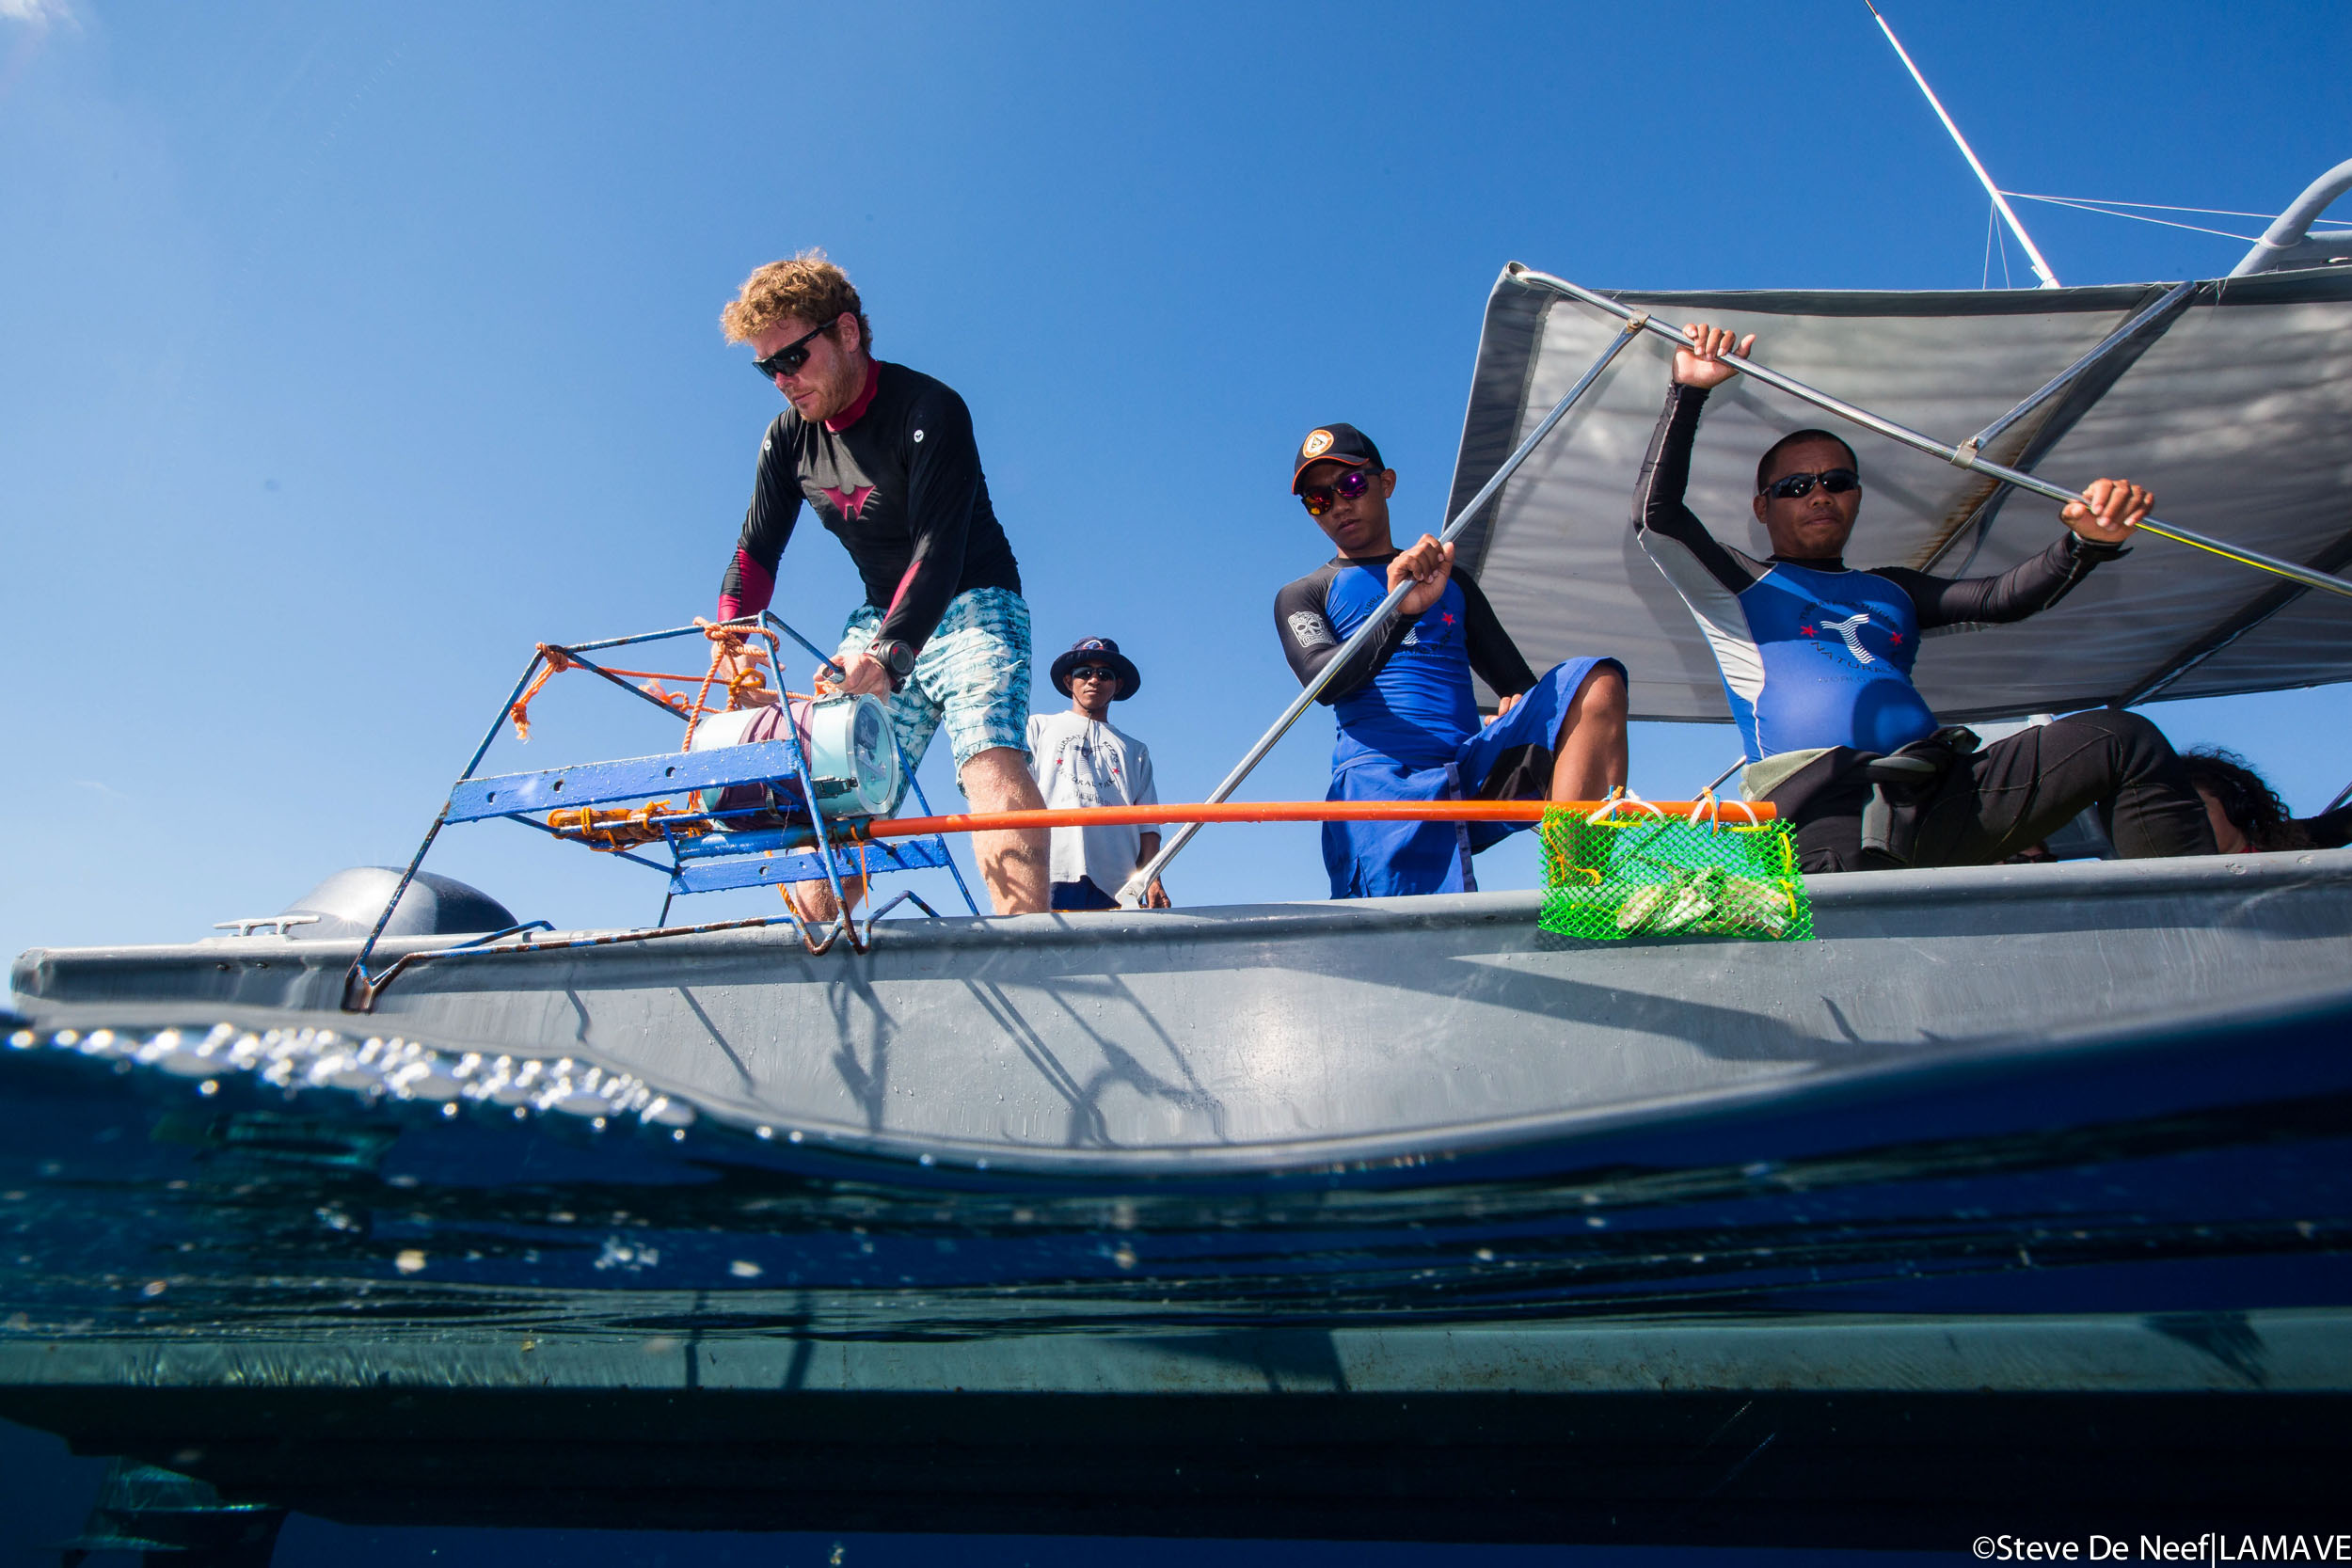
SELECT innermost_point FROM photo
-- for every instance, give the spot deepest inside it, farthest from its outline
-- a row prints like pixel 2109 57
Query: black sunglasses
pixel 1093 672
pixel 1320 499
pixel 791 356
pixel 1788 488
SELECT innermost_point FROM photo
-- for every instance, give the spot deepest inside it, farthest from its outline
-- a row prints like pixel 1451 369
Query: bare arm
pixel 1155 897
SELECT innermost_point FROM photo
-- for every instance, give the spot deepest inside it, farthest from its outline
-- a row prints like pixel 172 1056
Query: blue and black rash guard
pixel 896 477
pixel 1814 653
pixel 1406 697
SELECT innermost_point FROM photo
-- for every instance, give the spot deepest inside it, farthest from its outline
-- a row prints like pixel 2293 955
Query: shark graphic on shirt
pixel 1846 629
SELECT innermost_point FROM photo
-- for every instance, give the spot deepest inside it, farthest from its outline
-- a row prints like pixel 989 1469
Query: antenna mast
pixel 2033 253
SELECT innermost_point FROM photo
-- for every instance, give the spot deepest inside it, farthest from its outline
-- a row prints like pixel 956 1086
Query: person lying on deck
pixel 1409 725
pixel 2247 815
pixel 1816 657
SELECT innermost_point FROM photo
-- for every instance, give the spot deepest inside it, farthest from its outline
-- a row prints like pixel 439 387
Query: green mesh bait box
pixel 1651 876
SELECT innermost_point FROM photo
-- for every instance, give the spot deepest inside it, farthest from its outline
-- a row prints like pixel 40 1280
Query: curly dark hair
pixel 2245 798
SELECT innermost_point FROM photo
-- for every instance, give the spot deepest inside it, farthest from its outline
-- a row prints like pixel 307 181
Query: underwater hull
pixel 1872 1433
pixel 1273 1038
pixel 2110 1288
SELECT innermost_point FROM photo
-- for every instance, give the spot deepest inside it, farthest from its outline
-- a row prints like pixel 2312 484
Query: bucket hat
pixel 1096 650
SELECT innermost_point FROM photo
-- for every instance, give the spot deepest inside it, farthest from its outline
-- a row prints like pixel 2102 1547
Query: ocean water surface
pixel 459 1276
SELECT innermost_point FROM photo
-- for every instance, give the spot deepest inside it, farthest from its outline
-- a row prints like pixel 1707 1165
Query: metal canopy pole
pixel 2033 253
pixel 2289 241
pixel 1131 893
pixel 2174 299
pixel 1960 457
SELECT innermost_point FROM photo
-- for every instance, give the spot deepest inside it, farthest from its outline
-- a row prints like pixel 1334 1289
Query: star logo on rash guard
pixel 852 502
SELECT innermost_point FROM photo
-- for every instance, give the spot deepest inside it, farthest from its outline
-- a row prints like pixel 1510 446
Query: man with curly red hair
pixel 885 457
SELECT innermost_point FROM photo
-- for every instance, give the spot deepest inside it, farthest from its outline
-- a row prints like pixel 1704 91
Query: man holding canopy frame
pixel 1815 659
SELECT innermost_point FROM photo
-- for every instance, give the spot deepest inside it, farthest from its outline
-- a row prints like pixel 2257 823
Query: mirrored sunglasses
pixel 1837 482
pixel 1320 499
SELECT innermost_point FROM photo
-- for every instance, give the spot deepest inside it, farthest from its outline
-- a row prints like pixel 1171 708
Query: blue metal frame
pixel 634 779
pixel 941 839
pixel 703 862
pixel 918 854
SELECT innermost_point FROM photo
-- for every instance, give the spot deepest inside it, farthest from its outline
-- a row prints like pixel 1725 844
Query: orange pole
pixel 1276 811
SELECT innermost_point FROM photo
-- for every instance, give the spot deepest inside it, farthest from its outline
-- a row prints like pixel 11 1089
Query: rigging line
pixel 1991 222
pixel 2141 217
pixel 2041 266
pixel 2159 206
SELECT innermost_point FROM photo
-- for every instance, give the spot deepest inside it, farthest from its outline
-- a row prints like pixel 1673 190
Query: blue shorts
pixel 1081 895
pixel 1508 760
pixel 973 673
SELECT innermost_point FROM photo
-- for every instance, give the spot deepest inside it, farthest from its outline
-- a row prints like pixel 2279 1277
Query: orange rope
pixel 721 644
pixel 744 687
pixel 1254 811
pixel 727 643
pixel 555 665
pixel 648 674
pixel 607 831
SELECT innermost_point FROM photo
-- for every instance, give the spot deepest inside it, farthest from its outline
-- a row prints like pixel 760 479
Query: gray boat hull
pixel 1282 1036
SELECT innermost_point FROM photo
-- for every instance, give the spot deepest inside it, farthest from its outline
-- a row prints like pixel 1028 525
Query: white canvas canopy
pixel 2232 401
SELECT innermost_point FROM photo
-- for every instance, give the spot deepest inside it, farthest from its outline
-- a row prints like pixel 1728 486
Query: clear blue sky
pixel 346 351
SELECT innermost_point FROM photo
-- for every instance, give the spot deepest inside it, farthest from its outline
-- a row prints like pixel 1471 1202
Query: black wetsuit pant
pixel 2011 795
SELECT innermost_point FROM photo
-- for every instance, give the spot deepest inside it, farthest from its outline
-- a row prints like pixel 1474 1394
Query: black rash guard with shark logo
pixel 896 477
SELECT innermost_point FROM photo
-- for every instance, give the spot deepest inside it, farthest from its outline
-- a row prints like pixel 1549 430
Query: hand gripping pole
pixel 1960 457
pixel 1130 894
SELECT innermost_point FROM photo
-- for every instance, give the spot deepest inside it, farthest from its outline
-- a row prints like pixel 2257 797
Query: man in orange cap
pixel 1409 720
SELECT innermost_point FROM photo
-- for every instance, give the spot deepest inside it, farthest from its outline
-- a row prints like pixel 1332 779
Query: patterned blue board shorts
pixel 973 672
